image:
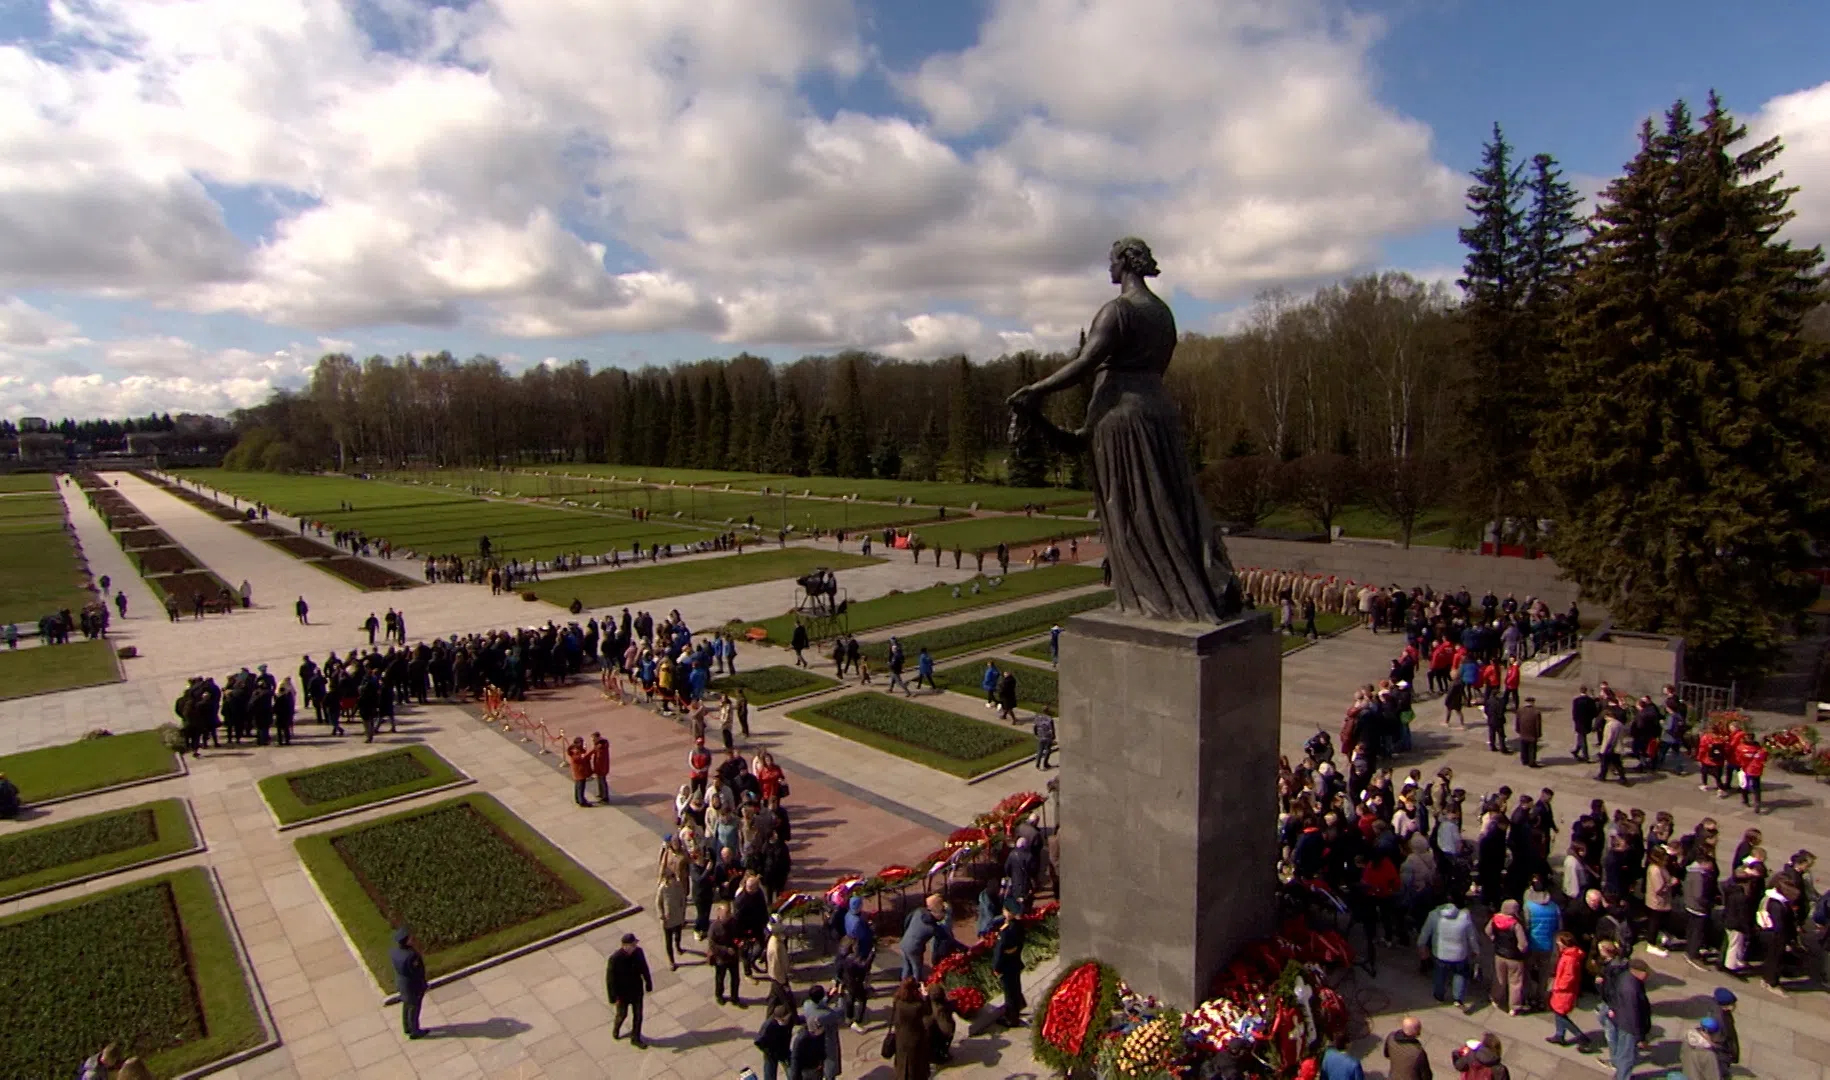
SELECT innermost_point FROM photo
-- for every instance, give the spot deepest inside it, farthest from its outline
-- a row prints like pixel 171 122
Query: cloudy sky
pixel 199 197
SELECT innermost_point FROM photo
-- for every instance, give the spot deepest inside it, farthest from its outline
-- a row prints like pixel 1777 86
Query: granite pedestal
pixel 1168 799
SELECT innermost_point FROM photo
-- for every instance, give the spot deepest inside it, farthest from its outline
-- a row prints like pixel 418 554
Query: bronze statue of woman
pixel 1167 559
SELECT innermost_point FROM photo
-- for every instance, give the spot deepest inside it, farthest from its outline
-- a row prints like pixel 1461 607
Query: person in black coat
pixel 626 978
pixel 1007 961
pixel 409 980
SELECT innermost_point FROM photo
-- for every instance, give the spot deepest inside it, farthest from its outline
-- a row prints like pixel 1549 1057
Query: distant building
pixel 40 446
pixel 33 425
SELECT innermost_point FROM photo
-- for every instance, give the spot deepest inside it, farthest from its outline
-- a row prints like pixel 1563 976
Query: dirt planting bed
pixel 301 548
pixel 364 575
pixel 165 560
pixel 136 539
pixel 264 531
pixel 183 587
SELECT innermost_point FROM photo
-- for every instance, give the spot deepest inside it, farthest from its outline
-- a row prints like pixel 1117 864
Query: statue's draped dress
pixel 1167 559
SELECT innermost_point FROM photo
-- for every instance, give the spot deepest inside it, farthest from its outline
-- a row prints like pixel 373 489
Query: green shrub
pixel 356 777
pixel 471 879
pixel 984 633
pixel 765 686
pixel 928 736
pixel 1037 688
pixel 344 785
pixel 52 854
pixel 148 966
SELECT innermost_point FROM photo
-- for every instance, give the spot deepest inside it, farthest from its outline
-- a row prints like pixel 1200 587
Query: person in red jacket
pixel 578 759
pixel 699 766
pixel 1751 760
pixel 1442 661
pixel 1565 988
pixel 600 766
pixel 1510 681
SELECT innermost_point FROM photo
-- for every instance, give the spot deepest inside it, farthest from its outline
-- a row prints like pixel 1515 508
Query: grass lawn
pixel 954 744
pixel 328 789
pixel 1037 689
pixel 150 966
pixel 26 482
pixel 1038 651
pixel 938 600
pixel 427 520
pixel 984 633
pixel 766 686
pixel 31 505
pixel 1435 528
pixel 50 854
pixel 41 572
pixel 57 667
pixel 87 764
pixel 986 533
pixel 471 879
pixel 655 474
pixel 635 584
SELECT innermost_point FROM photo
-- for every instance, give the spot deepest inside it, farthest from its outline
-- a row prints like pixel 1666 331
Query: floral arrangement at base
pixel 1073 1014
pixel 1795 743
pixel 966 1000
pixel 1820 764
pixel 1721 720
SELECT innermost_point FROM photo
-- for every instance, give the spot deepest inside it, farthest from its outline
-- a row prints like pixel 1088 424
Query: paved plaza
pixel 854 809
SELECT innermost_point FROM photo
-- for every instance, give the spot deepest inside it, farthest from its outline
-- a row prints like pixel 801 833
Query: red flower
pixel 966 1000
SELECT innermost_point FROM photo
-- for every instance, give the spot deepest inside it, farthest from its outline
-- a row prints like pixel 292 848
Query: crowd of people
pixel 1544 915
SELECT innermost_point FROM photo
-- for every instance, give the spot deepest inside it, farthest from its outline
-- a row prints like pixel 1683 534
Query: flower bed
pixel 765 686
pixel 135 539
pixel 984 633
pixel 363 574
pixel 265 531
pixel 939 739
pixel 330 789
pixel 51 854
pixel 471 879
pixel 149 966
pixel 1037 687
pixel 165 560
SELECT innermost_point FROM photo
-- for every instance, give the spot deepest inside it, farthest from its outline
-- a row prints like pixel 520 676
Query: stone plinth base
pixel 1168 807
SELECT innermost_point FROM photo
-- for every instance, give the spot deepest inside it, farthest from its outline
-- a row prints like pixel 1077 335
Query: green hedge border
pixel 813 716
pixel 288 811
pixel 815 684
pixel 370 933
pixel 176 835
pixel 225 985
pixel 88 766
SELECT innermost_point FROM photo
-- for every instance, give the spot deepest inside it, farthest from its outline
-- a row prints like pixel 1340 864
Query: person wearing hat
pixel 578 760
pixel 1722 1011
pixel 1701 1056
pixel 1529 723
pixel 626 978
pixel 409 980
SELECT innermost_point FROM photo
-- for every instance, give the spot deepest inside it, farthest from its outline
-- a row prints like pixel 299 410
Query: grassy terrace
pixel 46 668
pixel 88 764
pixel 986 533
pixel 924 493
pixel 52 854
pixel 158 975
pixel 1436 528
pixel 15 482
pixel 429 520
pixel 635 584
pixel 471 878
pixel 308 794
pixel 1037 689
pixel 766 686
pixel 954 744
pixel 42 572
pixel 985 633
pixel 938 600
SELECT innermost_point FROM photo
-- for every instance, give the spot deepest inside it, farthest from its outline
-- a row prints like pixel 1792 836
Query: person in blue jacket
pixel 989 683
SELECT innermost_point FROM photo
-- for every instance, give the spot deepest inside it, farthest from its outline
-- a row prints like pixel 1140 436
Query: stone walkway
pixel 544 1014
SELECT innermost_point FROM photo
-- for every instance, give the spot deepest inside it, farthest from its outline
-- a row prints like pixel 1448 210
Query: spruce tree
pixel 1495 426
pixel 886 463
pixel 823 448
pixel 1690 425
pixel 1029 451
pixel 930 451
pixel 965 443
pixel 719 439
pixel 854 454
